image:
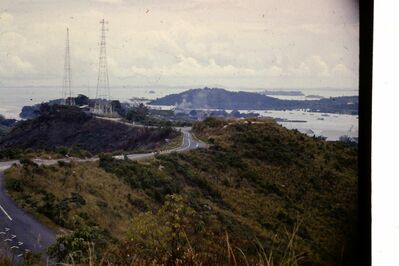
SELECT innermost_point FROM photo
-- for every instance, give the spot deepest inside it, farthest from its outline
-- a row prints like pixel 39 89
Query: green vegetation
pixel 29 153
pixel 82 246
pixel 68 130
pixel 4 130
pixel 261 194
pixel 150 117
pixel 6 125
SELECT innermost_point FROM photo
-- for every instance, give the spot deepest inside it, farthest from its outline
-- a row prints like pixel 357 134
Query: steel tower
pixel 67 84
pixel 103 95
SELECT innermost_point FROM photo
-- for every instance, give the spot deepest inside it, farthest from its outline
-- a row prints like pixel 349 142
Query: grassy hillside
pixel 259 188
pixel 68 129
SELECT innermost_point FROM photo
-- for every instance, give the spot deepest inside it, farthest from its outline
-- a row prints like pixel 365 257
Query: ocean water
pixel 13 99
pixel 331 126
pixel 324 92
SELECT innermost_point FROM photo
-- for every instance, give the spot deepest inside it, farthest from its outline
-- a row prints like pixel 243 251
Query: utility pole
pixel 103 95
pixel 67 82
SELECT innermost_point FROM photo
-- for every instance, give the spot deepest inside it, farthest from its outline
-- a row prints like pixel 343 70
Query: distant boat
pixel 151 92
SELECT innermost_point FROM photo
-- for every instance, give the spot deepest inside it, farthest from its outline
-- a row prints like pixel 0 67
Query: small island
pixel 311 96
pixel 282 93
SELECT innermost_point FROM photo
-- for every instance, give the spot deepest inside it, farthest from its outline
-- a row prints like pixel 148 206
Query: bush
pixel 27 162
pixel 137 176
pixel 58 210
pixel 166 232
pixel 83 245
pixel 14 184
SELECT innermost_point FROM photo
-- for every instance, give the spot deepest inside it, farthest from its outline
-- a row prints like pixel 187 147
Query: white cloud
pixel 185 67
pixel 110 1
pixel 227 42
pixel 274 71
pixel 14 65
pixel 6 19
pixel 13 49
pixel 341 70
pixel 313 66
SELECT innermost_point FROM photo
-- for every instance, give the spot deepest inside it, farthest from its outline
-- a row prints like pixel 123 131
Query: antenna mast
pixel 103 95
pixel 67 84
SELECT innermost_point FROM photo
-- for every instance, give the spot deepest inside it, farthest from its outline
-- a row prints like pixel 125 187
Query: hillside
pixel 223 99
pixel 6 125
pixel 256 183
pixel 4 130
pixel 62 128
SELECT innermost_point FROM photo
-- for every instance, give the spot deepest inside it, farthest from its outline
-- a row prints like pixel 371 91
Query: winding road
pixel 20 232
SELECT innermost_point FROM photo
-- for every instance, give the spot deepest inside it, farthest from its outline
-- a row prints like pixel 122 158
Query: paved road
pixel 189 143
pixel 21 232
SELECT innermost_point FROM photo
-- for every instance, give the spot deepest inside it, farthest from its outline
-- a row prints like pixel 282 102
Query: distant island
pixel 216 98
pixel 282 93
pixel 311 96
pixel 139 99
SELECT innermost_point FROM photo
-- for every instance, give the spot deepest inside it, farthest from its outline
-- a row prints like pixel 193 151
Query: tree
pixel 138 113
pixel 82 100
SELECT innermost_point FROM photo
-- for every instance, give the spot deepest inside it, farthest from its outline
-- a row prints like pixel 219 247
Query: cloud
pixel 341 70
pixel 274 71
pixel 313 66
pixel 227 42
pixel 185 67
pixel 13 49
pixel 6 19
pixel 110 1
pixel 12 64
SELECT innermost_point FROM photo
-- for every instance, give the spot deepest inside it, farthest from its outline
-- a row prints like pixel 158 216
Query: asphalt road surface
pixel 20 232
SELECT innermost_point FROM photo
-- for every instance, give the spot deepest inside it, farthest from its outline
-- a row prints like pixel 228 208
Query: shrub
pixel 83 245
pixel 14 184
pixel 165 232
pixel 27 162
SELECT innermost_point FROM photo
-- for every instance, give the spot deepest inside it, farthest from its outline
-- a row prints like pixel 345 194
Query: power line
pixel 67 81
pixel 103 95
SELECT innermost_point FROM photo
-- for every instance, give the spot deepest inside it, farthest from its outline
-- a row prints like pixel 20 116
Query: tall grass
pixel 233 256
pixel 289 257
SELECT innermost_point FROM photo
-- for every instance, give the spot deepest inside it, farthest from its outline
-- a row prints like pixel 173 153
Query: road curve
pixel 20 232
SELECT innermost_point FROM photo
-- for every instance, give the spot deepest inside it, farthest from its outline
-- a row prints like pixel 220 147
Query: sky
pixel 223 43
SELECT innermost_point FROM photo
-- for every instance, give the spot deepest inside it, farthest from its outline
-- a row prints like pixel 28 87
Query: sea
pixel 330 126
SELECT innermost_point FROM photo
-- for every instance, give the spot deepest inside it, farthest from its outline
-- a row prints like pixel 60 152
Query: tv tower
pixel 103 96
pixel 66 85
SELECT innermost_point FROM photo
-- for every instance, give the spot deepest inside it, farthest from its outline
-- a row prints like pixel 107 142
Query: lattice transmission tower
pixel 103 96
pixel 67 82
